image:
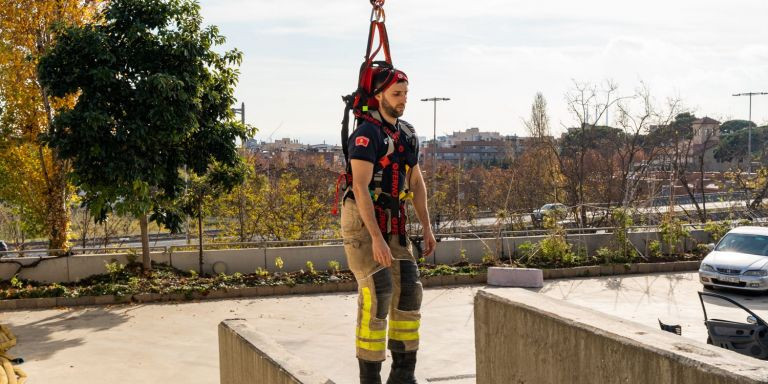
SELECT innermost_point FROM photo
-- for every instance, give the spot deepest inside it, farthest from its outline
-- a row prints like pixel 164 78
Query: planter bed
pixel 286 284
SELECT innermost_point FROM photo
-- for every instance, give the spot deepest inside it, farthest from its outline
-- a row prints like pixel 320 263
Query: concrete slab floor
pixel 177 343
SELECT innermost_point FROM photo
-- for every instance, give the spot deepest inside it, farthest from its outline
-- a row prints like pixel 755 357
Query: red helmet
pixel 387 77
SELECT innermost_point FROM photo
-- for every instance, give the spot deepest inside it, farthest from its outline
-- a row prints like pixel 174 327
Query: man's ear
pixel 378 96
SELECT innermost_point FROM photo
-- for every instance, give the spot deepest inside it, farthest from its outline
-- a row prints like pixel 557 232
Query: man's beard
pixel 390 110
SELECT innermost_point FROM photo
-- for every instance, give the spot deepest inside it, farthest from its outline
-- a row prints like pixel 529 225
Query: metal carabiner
pixel 377 13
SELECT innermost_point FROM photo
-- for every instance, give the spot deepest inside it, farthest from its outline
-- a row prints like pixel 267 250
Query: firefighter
pixel 383 162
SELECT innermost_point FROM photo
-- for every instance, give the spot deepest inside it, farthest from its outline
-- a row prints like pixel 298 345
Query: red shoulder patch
pixel 361 141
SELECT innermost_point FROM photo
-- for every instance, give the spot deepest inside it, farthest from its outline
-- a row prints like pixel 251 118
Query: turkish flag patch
pixel 361 141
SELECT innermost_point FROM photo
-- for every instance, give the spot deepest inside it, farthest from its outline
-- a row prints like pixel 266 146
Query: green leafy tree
pixel 732 126
pixel 202 191
pixel 733 146
pixel 153 96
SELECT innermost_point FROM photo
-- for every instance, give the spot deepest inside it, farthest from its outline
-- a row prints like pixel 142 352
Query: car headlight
pixel 760 272
pixel 706 268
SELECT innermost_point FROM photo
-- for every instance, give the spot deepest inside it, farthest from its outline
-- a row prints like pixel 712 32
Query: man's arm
pixel 419 189
pixel 362 172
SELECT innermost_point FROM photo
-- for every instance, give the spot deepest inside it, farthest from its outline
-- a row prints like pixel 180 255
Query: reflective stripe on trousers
pixel 393 292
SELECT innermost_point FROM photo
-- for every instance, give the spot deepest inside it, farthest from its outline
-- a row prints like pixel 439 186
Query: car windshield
pixel 744 243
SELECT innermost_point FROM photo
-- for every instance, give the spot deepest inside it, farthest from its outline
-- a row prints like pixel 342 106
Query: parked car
pixel 739 260
pixel 559 211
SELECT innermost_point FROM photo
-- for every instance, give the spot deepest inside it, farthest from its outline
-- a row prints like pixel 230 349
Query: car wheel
pixel 709 287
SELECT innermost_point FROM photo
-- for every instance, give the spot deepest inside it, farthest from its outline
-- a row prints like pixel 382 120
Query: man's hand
pixel 429 242
pixel 381 252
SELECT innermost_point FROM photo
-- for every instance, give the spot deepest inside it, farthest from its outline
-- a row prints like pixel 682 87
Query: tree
pixel 733 146
pixel 239 209
pixel 638 117
pixel 22 188
pixel 153 96
pixel 27 31
pixel 588 105
pixel 204 189
pixel 732 126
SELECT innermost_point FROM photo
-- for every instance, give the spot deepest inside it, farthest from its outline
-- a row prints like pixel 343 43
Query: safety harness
pixel 388 205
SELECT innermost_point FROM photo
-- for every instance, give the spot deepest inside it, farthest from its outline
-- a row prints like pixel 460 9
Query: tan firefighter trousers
pixel 395 291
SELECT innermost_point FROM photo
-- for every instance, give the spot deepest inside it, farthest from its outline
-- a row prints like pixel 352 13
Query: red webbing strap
pixel 335 209
pixel 383 43
pixel 395 193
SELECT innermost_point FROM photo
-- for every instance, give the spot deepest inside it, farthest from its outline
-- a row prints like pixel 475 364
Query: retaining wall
pixel 247 356
pixel 528 338
pixel 73 268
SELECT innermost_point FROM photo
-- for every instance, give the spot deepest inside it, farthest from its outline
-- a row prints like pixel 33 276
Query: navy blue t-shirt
pixel 370 143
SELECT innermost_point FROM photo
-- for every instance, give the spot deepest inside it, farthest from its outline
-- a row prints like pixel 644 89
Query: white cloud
pixel 492 56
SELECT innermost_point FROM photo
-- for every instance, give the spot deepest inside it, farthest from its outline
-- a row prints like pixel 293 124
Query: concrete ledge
pixel 525 337
pixel 247 356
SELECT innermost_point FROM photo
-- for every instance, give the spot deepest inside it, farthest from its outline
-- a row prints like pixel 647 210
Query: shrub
pixel 672 233
pixel 526 250
pixel 654 248
pixel 334 266
pixel 717 229
pixel 311 267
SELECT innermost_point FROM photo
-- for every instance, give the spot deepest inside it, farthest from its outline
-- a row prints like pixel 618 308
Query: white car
pixel 739 260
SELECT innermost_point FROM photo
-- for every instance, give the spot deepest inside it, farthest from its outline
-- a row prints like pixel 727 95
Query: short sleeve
pixel 364 143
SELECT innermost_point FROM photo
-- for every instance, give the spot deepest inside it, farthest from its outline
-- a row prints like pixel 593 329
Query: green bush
pixel 672 233
pixel 526 250
pixel 654 248
pixel 717 229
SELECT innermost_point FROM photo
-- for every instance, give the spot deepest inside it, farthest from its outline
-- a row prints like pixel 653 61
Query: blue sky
pixel 491 57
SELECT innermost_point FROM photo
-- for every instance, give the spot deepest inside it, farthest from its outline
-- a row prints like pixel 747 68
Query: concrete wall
pixel 526 338
pixel 247 356
pixel 248 260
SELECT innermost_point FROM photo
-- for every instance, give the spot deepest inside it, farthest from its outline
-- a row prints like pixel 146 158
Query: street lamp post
pixel 241 111
pixel 434 101
pixel 749 126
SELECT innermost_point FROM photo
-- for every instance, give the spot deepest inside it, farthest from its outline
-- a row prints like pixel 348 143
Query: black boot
pixel 403 367
pixel 369 372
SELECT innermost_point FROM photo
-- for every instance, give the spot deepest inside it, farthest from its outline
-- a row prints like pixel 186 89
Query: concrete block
pixel 684 266
pixel 104 300
pixel 567 273
pixel 646 268
pixel 465 279
pixel 8 305
pixel 665 267
pixel 26 303
pixel 554 273
pixel 515 277
pixel 67 301
pixel 348 286
pixel 621 269
pixel 46 302
pixel 606 270
pixel 449 280
pixel 281 290
pixel 147 297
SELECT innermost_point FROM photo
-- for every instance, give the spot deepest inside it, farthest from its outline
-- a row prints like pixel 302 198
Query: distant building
pixel 474 146
pixel 290 151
